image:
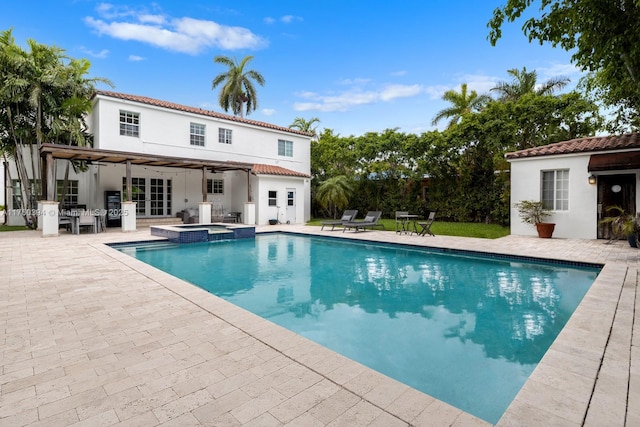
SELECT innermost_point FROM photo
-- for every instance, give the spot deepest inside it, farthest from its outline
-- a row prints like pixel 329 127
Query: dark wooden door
pixel 615 190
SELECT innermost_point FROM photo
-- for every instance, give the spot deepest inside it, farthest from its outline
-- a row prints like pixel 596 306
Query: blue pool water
pixel 467 330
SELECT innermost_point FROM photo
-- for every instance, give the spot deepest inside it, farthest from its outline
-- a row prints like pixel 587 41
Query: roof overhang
pixel 614 161
pixel 109 156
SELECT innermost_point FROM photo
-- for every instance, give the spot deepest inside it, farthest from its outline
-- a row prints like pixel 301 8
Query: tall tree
pixel 237 89
pixel 308 126
pixel 525 82
pixel 603 36
pixel 462 103
pixel 44 97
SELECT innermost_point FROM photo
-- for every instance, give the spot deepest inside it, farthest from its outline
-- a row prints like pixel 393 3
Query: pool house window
pixel 273 198
pixel 555 189
pixel 224 136
pixel 285 148
pixel 71 196
pixel 196 136
pixel 129 123
pixel 215 186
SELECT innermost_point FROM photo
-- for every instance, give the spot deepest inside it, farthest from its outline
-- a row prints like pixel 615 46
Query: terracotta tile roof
pixel 276 170
pixel 581 145
pixel 194 110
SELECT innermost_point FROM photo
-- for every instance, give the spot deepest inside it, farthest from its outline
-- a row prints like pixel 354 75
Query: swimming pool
pixel 466 330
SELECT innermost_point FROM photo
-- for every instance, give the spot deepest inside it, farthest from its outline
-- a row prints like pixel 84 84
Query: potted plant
pixel 534 213
pixel 623 225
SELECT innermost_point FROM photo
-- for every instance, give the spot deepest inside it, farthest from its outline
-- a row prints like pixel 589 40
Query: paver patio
pixel 90 336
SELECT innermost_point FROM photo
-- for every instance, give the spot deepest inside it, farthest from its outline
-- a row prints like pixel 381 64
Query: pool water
pixel 466 330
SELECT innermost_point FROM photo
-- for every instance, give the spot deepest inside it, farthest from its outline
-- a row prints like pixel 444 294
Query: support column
pixel 204 189
pixel 249 198
pixel 51 179
pixel 204 212
pixel 128 189
pixel 128 216
pixel 48 218
pixel 249 214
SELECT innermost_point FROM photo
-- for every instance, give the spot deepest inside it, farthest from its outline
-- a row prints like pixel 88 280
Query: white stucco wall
pixel 166 132
pixel 267 183
pixel 581 219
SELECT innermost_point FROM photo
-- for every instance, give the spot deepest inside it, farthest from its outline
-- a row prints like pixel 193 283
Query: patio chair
pixel 86 219
pixel 370 220
pixel 346 217
pixel 425 227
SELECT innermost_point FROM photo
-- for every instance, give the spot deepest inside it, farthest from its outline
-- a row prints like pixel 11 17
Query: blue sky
pixel 358 66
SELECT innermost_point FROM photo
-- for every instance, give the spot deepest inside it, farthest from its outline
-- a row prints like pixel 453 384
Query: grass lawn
pixel 13 228
pixel 463 229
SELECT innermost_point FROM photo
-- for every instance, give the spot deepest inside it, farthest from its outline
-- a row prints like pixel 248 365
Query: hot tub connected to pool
pixel 196 233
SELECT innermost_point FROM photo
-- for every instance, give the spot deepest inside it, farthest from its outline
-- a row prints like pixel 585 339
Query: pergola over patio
pixel 49 152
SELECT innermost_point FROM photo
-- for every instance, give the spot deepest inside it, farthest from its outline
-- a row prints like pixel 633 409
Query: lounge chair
pixel 370 220
pixel 425 227
pixel 346 217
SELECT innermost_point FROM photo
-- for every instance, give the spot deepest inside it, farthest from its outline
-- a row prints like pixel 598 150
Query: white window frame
pixel 197 134
pixel 215 186
pixel 272 197
pixel 129 123
pixel 71 198
pixel 285 148
pixel 225 136
pixel 554 189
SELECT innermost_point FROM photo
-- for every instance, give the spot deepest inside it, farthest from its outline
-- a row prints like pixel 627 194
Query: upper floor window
pixel 555 189
pixel 215 186
pixel 224 136
pixel 196 136
pixel 285 148
pixel 129 123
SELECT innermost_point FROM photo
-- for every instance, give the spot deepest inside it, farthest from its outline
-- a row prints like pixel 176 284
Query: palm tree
pixel 306 125
pixel 238 88
pixel 527 82
pixel 333 194
pixel 463 102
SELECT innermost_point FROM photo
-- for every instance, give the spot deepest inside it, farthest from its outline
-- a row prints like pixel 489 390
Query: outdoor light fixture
pixel 592 179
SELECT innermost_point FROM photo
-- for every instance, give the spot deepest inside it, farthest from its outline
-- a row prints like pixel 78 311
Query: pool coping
pixel 559 391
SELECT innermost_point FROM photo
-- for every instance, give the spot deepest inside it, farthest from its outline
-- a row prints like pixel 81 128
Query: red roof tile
pixel 276 170
pixel 581 145
pixel 194 110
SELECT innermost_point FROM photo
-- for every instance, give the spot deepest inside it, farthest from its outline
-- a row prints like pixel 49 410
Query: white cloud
pixel 186 35
pixel 288 19
pixel 102 54
pixel 558 70
pixel 354 97
pixel 398 73
pixel 268 111
pixel 356 81
pixel 152 19
pixel 399 91
pixel 436 91
pixel 136 58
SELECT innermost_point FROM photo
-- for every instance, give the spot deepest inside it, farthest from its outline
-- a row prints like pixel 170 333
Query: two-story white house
pixel 177 157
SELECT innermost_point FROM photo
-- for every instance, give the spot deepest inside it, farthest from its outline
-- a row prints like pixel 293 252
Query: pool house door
pixel 291 206
pixel 615 190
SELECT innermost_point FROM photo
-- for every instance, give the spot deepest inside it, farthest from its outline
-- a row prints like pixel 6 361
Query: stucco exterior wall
pixel 166 132
pixel 581 219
